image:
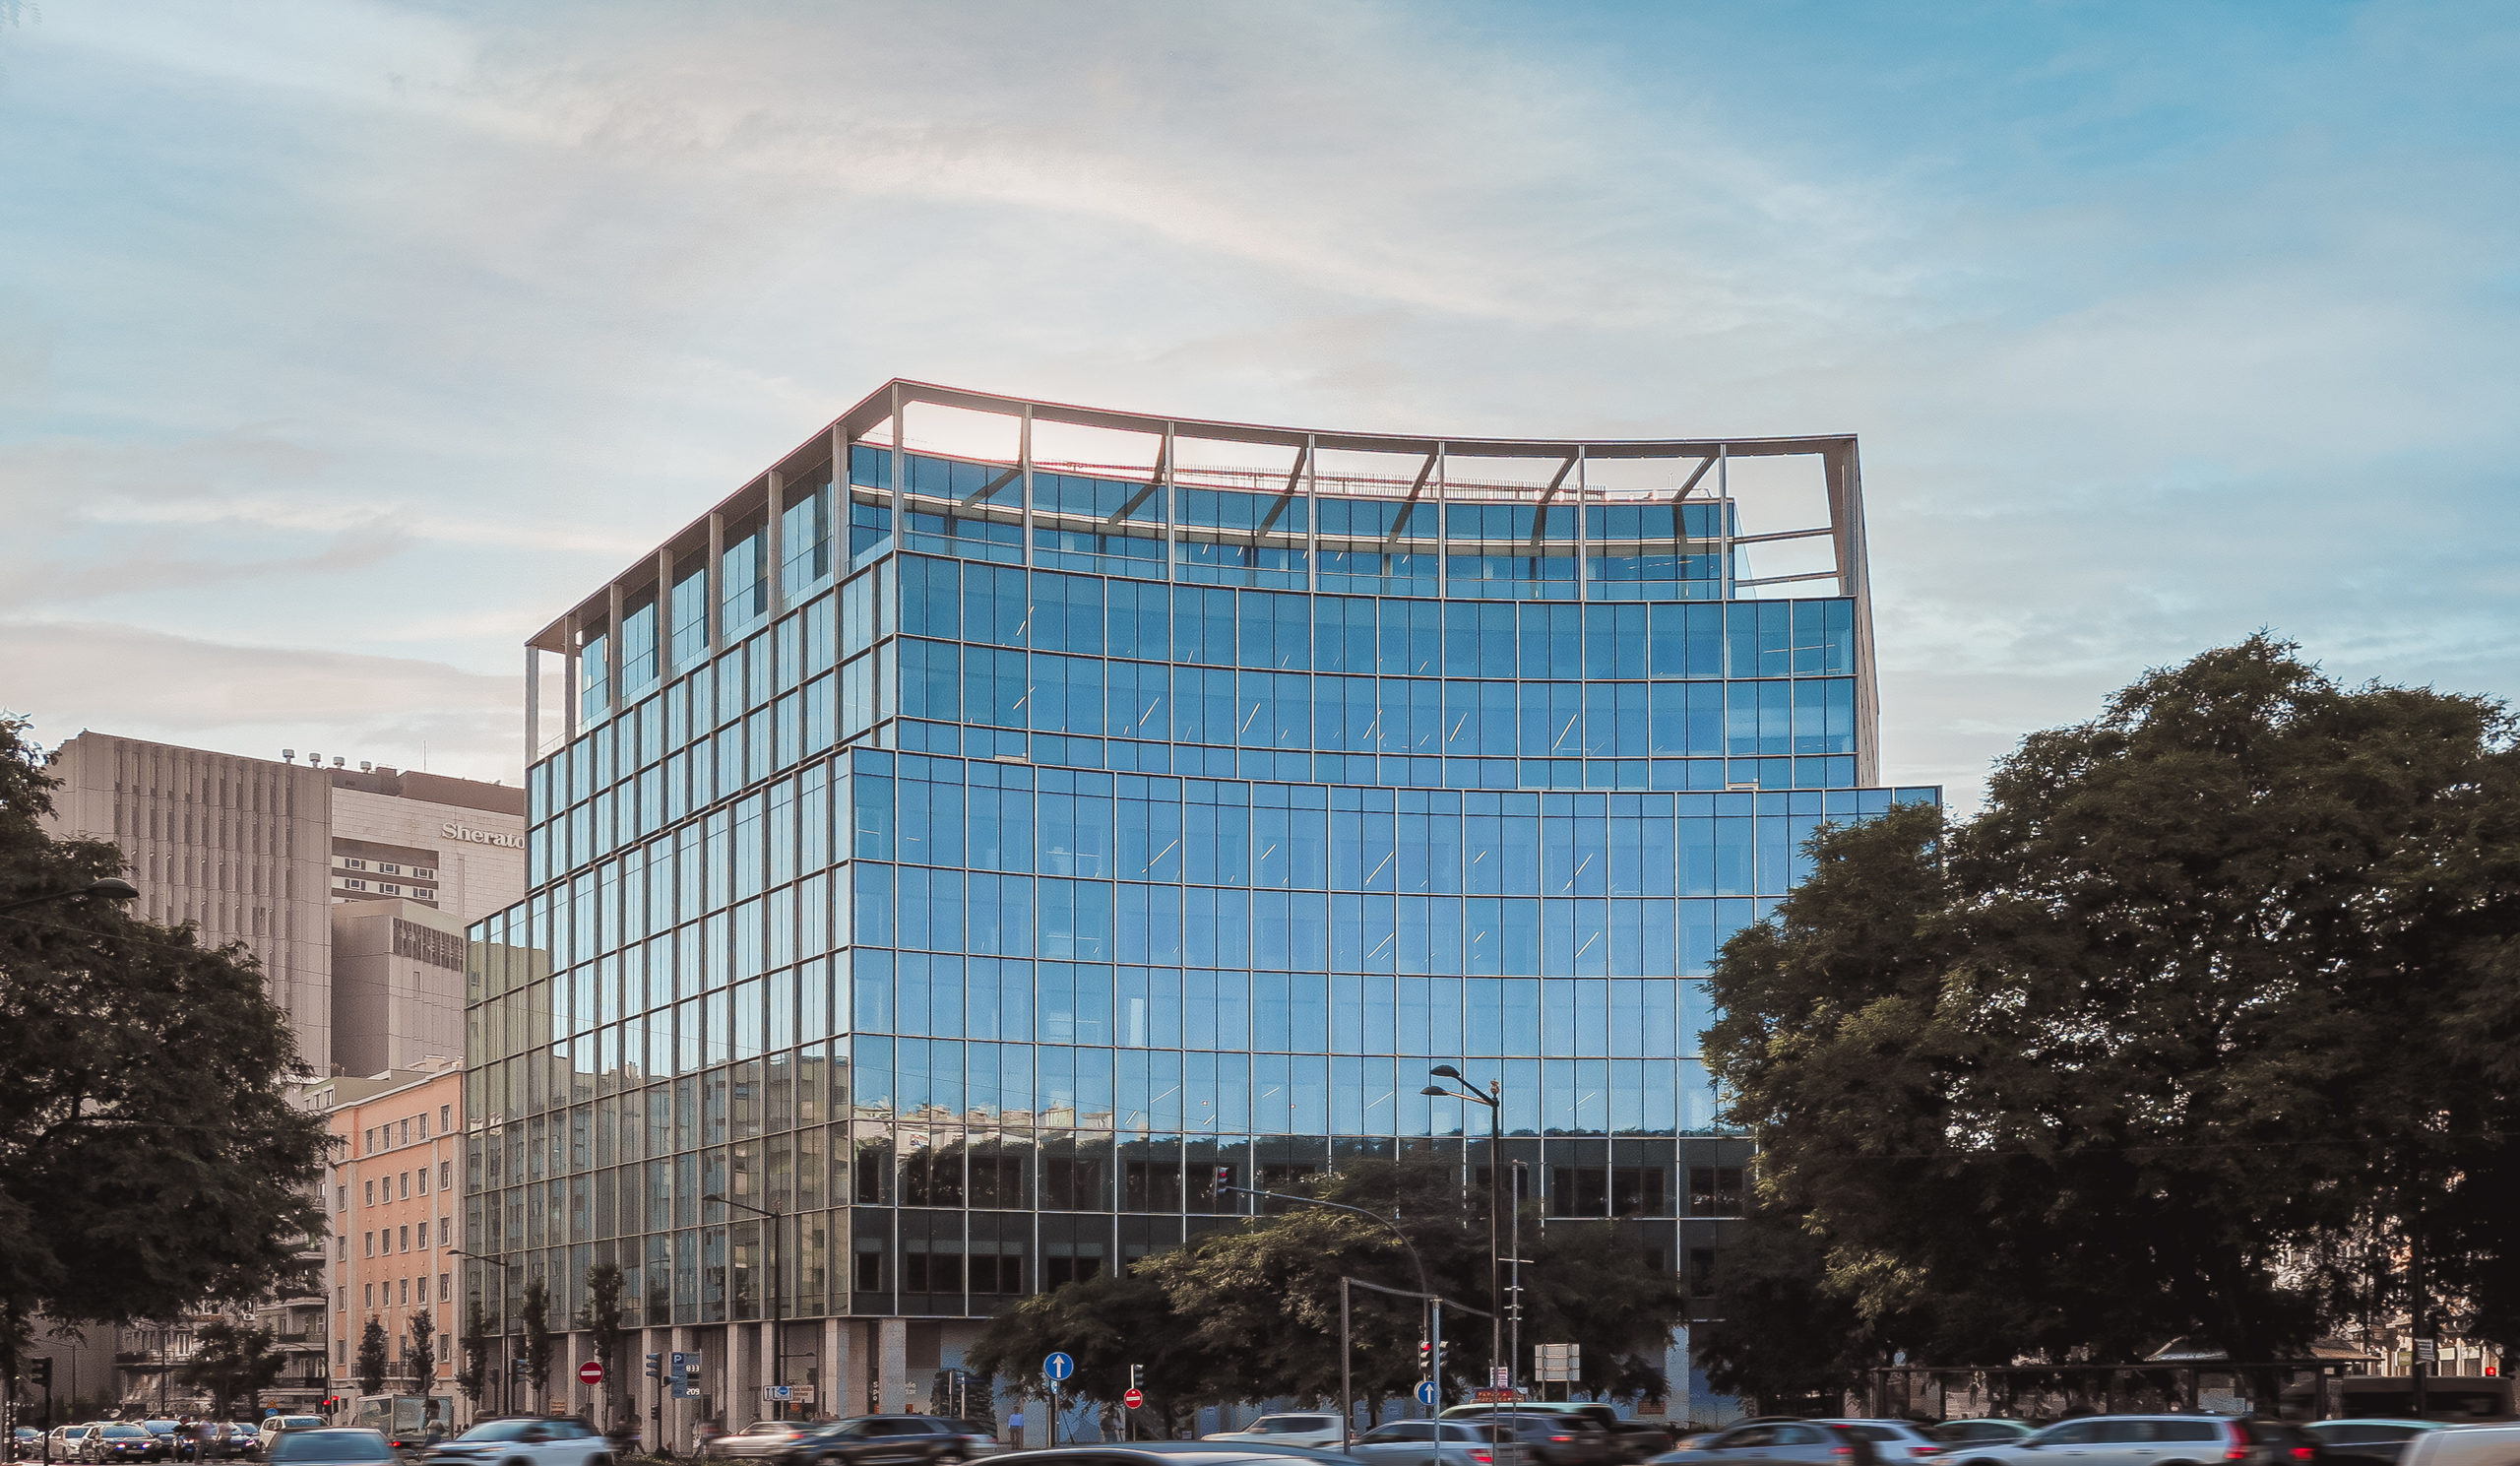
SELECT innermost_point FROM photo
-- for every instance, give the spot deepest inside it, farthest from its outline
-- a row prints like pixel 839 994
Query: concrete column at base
pixel 892 1353
pixel 772 1371
pixel 743 1379
pixel 830 1370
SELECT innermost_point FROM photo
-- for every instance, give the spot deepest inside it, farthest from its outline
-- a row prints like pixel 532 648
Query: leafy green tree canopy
pixel 232 1363
pixel 370 1364
pixel 150 1158
pixel 2215 979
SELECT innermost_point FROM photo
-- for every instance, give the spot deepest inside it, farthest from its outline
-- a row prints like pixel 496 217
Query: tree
pixel 149 1159
pixel 231 1364
pixel 537 1341
pixel 601 1320
pixel 2216 982
pixel 1108 1323
pixel 422 1352
pixel 473 1380
pixel 370 1362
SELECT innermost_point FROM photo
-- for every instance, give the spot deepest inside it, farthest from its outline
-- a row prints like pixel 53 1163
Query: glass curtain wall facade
pixel 977 859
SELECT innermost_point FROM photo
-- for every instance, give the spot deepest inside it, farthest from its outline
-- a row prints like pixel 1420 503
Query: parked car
pixel 2131 1441
pixel 1629 1439
pixel 887 1440
pixel 2381 1442
pixel 1439 1443
pixel 524 1440
pixel 121 1440
pixel 1988 1429
pixel 1893 1441
pixel 1295 1427
pixel 334 1445
pixel 1787 1443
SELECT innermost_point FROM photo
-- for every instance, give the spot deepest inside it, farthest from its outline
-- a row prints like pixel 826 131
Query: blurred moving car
pixel 2464 1445
pixel 891 1441
pixel 763 1440
pixel 2383 1442
pixel 1209 1453
pixel 1791 1442
pixel 26 1444
pixel 2135 1441
pixel 523 1440
pixel 1893 1441
pixel 1293 1428
pixel 66 1441
pixel 1439 1443
pixel 333 1446
pixel 1629 1439
pixel 1990 1430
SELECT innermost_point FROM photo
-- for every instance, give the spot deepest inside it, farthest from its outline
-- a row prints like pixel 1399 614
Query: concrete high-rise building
pixel 351 887
pixel 1000 827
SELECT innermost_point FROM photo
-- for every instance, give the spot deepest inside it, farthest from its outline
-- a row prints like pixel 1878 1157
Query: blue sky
pixel 344 344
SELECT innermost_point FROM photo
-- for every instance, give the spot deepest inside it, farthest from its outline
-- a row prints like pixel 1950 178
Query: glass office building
pixel 1003 821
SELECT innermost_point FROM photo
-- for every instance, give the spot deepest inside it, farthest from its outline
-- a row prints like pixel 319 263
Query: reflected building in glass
pixel 1001 823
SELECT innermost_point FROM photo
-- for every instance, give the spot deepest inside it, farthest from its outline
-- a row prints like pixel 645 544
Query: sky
pixel 343 345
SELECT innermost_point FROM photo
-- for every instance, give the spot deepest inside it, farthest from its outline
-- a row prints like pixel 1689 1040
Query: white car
pixel 273 1425
pixel 1306 1429
pixel 524 1440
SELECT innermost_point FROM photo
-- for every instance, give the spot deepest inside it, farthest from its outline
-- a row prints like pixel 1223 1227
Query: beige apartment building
pixel 394 1197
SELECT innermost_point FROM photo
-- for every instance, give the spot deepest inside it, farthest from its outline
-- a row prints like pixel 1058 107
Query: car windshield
pixel 332 1447
pixel 121 1432
pixel 296 1423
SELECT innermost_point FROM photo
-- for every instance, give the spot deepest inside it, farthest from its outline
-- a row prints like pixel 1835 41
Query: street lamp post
pixel 507 1372
pixel 1494 1100
pixel 778 1341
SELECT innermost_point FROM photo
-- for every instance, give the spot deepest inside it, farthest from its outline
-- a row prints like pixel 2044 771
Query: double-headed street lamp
pixel 778 1340
pixel 507 1369
pixel 1494 1100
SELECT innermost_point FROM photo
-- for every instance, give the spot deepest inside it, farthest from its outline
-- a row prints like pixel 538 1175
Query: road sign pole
pixel 1346 1395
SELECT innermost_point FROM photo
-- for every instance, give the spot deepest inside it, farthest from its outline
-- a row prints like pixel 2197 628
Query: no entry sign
pixel 591 1373
pixel 1134 1398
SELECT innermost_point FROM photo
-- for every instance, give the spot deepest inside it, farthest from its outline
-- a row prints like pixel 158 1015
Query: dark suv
pixel 889 1440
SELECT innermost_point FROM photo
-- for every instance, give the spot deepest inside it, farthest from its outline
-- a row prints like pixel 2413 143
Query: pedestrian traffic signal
pixel 656 1366
pixel 40 1371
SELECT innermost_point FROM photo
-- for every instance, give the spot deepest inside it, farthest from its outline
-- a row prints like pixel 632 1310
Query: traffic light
pixel 1137 1376
pixel 656 1366
pixel 1425 1356
pixel 40 1371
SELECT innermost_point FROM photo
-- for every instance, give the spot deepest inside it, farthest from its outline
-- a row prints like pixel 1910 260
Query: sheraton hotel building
pixel 1000 822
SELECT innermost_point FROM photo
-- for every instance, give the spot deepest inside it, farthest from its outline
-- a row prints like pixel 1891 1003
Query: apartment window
pixel 385 867
pixel 389 888
pixel 341 1347
pixel 445 1287
pixel 367 1294
pixel 406 1291
pixel 367 1190
pixel 353 885
pixel 371 1141
pixel 446 1232
pixel 407 1132
pixel 348 864
pixel 407 1185
pixel 424 1180
pixel 367 1243
pixel 446 1176
pixel 342 1294
pixel 407 1239
pixel 425 873
pixel 345 1240
pixel 445 1119
pixel 424 1127
pixel 341 1198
